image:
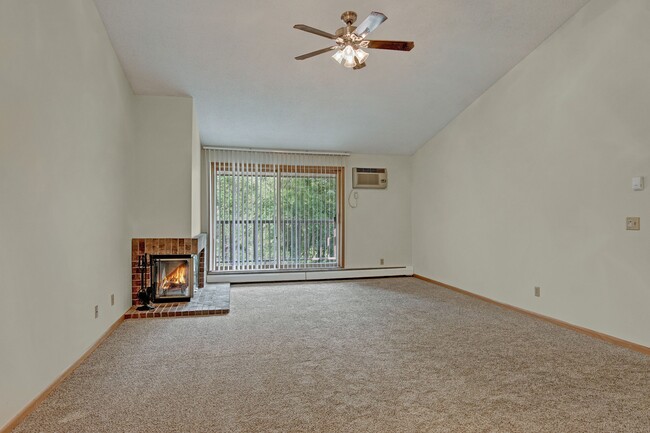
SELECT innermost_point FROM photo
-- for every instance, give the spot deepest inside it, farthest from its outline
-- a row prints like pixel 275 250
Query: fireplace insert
pixel 174 277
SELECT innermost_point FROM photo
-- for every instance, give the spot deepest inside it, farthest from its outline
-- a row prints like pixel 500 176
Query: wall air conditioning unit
pixel 375 178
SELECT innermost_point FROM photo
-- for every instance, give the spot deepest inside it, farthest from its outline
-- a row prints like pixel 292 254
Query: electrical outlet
pixel 381 262
pixel 538 291
pixel 633 223
pixel 112 299
pixel 96 311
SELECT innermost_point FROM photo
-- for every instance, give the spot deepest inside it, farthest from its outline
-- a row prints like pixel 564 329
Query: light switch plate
pixel 633 223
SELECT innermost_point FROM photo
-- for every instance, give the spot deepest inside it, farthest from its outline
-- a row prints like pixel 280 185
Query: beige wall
pixel 530 186
pixel 196 176
pixel 65 130
pixel 162 168
pixel 380 226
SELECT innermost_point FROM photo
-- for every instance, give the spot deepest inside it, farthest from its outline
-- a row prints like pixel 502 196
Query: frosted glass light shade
pixel 349 63
pixel 349 57
pixel 361 55
pixel 348 53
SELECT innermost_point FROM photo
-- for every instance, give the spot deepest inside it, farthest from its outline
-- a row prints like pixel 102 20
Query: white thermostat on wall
pixel 637 183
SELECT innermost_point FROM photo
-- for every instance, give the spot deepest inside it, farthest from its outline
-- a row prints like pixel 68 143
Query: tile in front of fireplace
pixel 213 299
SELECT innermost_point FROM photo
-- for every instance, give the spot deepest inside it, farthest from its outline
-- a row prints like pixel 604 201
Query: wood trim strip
pixel 590 332
pixel 32 405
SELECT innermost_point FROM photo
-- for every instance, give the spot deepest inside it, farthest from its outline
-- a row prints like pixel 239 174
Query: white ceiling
pixel 236 59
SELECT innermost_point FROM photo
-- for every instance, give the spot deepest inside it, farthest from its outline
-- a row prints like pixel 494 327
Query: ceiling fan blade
pixel 308 29
pixel 369 24
pixel 391 45
pixel 315 53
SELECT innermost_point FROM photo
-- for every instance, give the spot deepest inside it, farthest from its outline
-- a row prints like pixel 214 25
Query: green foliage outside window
pixel 303 231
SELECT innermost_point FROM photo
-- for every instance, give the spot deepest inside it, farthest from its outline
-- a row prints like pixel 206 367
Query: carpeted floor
pixel 383 355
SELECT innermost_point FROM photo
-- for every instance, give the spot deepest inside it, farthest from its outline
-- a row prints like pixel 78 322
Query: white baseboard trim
pixel 337 274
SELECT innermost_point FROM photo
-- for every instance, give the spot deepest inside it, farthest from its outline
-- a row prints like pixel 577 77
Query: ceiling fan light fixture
pixel 360 55
pixel 348 52
pixel 349 63
pixel 338 56
pixel 348 57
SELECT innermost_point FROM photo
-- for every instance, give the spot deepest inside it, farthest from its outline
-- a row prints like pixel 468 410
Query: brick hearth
pixel 213 299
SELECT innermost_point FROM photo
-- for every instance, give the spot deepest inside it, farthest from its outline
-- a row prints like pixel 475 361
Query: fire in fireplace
pixel 173 278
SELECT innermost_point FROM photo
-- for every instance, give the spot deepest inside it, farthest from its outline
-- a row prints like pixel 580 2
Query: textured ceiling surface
pixel 236 59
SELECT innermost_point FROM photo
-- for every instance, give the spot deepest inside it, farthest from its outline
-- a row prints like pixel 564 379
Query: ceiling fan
pixel 350 40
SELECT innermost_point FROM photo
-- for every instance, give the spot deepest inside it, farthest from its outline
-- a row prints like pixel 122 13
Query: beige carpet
pixel 383 355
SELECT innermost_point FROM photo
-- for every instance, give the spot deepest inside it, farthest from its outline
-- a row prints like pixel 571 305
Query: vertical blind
pixel 272 210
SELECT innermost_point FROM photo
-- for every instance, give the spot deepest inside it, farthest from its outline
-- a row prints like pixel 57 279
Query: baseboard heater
pixel 333 274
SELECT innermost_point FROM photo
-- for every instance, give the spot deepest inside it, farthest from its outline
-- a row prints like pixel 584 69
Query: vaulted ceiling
pixel 236 59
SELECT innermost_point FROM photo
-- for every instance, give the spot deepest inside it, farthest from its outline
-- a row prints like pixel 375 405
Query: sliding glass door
pixel 308 218
pixel 244 222
pixel 273 216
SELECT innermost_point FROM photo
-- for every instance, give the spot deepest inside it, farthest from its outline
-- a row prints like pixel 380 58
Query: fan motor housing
pixel 344 30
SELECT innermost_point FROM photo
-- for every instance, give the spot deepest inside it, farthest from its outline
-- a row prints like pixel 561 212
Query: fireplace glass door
pixel 173 278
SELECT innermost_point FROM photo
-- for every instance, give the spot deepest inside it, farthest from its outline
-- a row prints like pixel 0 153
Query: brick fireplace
pixel 165 246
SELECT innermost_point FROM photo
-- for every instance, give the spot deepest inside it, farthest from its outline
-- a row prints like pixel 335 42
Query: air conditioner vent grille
pixel 374 178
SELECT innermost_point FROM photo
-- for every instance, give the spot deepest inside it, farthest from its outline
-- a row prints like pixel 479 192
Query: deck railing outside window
pixel 258 249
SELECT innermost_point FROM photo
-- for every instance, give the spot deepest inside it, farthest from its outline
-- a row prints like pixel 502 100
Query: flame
pixel 175 278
